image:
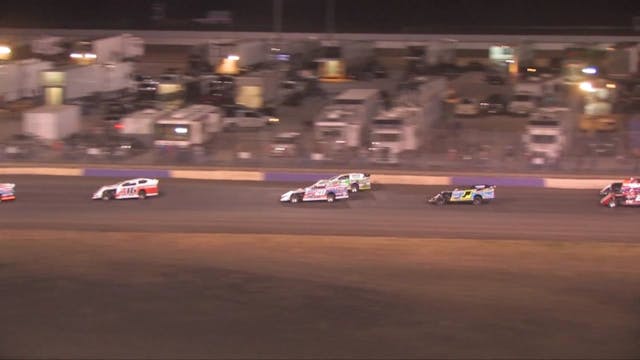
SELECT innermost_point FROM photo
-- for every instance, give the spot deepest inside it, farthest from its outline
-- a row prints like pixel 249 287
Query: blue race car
pixel 474 194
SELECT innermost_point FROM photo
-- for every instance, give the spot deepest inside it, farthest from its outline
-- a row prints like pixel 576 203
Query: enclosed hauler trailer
pixel 184 128
pixel 258 90
pixel 344 60
pixel 107 49
pixel 51 122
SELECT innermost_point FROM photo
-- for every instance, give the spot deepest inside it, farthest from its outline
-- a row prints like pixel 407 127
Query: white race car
pixel 139 188
pixel 7 192
pixel 320 191
pixel 355 181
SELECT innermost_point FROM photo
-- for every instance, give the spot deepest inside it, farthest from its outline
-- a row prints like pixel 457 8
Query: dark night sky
pixel 309 15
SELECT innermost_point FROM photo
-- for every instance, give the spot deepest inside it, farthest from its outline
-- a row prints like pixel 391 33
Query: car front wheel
pixel 107 195
pixel 355 188
pixel 331 198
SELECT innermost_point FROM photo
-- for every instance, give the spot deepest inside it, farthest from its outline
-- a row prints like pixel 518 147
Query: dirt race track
pixel 536 274
pixel 62 203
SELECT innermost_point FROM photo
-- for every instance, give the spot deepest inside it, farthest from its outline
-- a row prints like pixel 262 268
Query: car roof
pixel 136 179
pixel 476 186
pixel 290 134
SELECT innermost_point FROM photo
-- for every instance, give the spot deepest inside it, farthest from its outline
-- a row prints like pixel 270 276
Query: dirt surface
pixel 72 294
pixel 186 206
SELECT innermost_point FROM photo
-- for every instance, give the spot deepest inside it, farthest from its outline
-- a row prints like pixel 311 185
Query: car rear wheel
pixel 355 188
pixel 294 199
pixel 142 195
pixel 477 200
pixel 613 203
pixel 331 197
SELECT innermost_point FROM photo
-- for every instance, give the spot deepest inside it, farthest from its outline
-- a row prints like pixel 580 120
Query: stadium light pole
pixel 330 17
pixel 277 17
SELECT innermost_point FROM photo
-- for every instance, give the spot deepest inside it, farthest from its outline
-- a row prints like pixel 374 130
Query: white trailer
pixel 69 83
pixel 429 96
pixel 194 125
pixel 116 78
pixel 339 127
pixel 548 135
pixel 399 129
pixel 47 45
pixel 108 49
pixel 9 82
pixel 20 79
pixel 140 124
pixel 344 59
pixel 30 70
pixel 295 53
pixel 346 120
pixel 235 57
pixel 623 60
pixel 51 122
pixel 258 90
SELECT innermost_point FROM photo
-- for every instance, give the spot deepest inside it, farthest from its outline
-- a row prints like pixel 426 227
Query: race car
pixel 354 181
pixel 7 192
pixel 628 194
pixel 475 194
pixel 615 186
pixel 320 191
pixel 140 188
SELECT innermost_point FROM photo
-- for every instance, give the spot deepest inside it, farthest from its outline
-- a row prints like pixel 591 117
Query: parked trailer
pixel 548 135
pixel 429 95
pixel 51 122
pixel 75 82
pixel 20 79
pixel 227 57
pixel 399 129
pixel 107 49
pixel 345 121
pixel 239 56
pixel 48 45
pixel 140 124
pixel 296 54
pixel 184 128
pixel 258 90
pixel 345 59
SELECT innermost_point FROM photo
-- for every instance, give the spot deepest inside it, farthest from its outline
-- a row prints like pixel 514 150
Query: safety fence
pixel 442 150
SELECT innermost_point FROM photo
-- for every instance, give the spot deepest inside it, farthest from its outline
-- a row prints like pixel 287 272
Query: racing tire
pixel 355 188
pixel 0 200
pixel 331 197
pixel 613 203
pixel 441 201
pixel 294 199
pixel 107 195
pixel 142 195
pixel 477 200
